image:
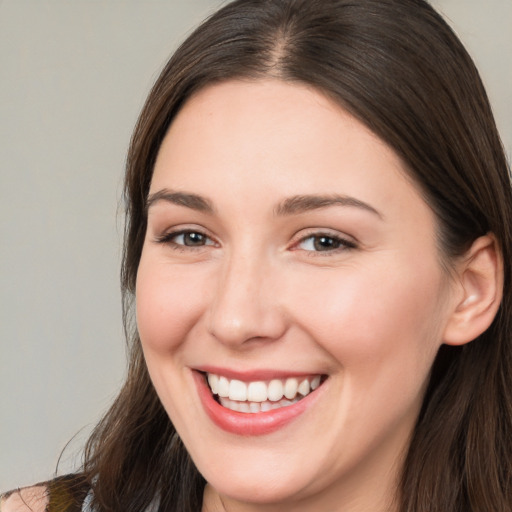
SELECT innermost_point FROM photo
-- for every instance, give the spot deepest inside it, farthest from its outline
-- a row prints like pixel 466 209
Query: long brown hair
pixel 398 68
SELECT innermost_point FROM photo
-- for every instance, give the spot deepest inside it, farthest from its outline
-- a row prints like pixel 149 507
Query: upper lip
pixel 255 374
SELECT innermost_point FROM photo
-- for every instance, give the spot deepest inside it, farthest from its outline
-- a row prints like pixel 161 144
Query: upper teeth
pixel 261 391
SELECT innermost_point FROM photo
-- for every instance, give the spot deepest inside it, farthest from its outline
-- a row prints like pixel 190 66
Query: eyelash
pixel 337 242
pixel 169 239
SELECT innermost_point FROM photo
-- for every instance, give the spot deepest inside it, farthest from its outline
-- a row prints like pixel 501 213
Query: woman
pixel 317 255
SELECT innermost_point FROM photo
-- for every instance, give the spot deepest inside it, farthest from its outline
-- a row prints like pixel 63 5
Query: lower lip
pixel 249 424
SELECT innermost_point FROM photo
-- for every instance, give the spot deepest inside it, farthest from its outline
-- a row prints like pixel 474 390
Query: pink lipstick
pixel 250 424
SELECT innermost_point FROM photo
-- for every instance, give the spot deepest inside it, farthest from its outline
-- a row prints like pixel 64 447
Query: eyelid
pixel 347 242
pixel 168 235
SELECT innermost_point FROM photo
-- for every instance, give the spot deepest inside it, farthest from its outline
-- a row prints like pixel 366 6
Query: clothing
pixel 71 493
pixel 68 494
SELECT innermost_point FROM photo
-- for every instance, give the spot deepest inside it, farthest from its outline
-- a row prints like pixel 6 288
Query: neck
pixel 378 498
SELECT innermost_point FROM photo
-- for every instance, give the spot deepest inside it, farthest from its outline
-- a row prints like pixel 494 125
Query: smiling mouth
pixel 261 396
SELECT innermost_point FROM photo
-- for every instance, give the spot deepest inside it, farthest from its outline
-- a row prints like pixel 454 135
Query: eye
pixel 186 238
pixel 324 243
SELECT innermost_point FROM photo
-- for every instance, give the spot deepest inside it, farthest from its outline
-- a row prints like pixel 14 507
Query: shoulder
pixel 65 493
pixel 28 499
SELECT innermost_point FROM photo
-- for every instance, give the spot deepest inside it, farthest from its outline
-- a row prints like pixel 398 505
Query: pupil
pixel 324 243
pixel 194 239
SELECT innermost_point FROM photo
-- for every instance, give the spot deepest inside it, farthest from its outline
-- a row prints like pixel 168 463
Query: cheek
pixel 382 333
pixel 168 303
pixel 363 316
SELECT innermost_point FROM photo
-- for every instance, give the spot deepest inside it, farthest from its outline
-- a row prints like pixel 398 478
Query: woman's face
pixel 287 252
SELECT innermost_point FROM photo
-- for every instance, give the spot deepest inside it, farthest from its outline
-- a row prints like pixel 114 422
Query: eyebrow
pixel 290 206
pixel 193 201
pixel 304 203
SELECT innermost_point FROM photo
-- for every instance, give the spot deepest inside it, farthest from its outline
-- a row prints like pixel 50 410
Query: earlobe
pixel 480 281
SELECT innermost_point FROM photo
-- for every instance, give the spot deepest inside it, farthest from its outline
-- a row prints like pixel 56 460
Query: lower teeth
pixel 255 407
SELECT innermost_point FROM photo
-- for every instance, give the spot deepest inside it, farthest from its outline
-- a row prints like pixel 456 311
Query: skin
pixel 28 499
pixel 258 294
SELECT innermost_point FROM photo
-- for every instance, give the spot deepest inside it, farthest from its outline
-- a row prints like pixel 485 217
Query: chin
pixel 259 488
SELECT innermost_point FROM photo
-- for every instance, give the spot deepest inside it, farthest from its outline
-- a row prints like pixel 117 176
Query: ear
pixel 479 279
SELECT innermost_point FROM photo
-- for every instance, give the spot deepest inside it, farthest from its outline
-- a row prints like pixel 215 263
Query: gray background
pixel 74 75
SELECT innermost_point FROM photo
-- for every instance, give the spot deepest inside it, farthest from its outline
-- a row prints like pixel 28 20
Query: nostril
pixel 246 326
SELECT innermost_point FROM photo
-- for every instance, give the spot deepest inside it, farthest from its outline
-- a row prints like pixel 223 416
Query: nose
pixel 245 306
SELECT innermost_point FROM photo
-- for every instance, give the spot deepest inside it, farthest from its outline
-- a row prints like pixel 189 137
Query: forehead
pixel 266 140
